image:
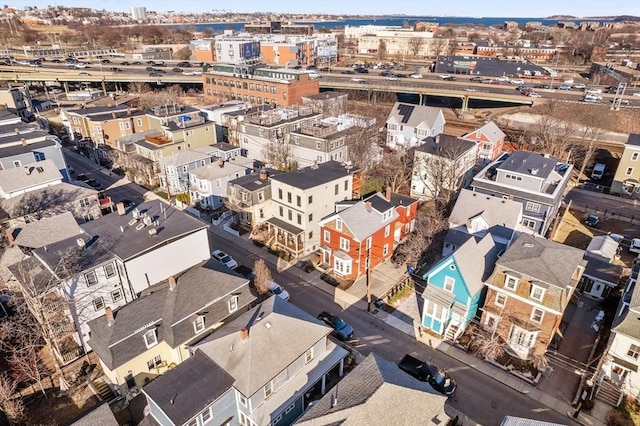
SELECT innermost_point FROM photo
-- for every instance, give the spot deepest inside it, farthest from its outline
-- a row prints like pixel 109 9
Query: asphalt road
pixel 611 204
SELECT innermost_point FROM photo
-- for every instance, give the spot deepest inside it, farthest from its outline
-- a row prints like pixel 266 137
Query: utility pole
pixel 369 279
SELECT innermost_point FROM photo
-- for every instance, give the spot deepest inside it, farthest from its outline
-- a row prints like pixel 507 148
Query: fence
pixel 605 213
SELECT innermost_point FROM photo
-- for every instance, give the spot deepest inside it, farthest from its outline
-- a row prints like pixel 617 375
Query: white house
pixel 408 125
pixel 208 184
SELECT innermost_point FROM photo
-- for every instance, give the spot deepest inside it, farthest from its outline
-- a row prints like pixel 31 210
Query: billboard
pixel 465 65
pixel 250 50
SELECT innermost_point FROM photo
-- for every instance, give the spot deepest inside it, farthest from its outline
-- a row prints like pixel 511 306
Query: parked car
pixel 82 177
pixel 95 184
pixel 592 220
pixel 245 271
pixel 634 247
pixel 477 78
pixel 425 372
pixel 224 258
pixel 341 329
pixel 277 290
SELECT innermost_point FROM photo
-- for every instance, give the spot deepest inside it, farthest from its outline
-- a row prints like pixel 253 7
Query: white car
pixel 277 290
pixel 445 76
pixel 635 246
pixel 470 89
pixel 636 94
pixel 517 81
pixel 534 95
pixel 358 80
pixel 416 75
pixel 580 86
pixel 391 78
pixel 224 258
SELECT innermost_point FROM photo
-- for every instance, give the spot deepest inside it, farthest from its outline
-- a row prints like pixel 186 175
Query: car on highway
pixel 416 75
pixel 347 72
pixel 176 69
pixel 541 86
pixel 224 258
pixel 450 78
pixel 136 63
pixel 593 91
pixel 149 69
pixel 579 86
pixel 80 65
pixel 362 70
pixel 534 95
pixel 116 69
pixel 445 76
pixel 341 329
pixel 430 373
pixel 636 94
pixel 470 89
pixel 105 61
pixel 517 81
pixel 391 78
pixel 188 73
pixel 124 63
pixel 477 78
pixel 84 73
pixel 592 220
pixel 564 87
pixel 277 290
pixel 155 74
pixel 183 64
pixel 358 80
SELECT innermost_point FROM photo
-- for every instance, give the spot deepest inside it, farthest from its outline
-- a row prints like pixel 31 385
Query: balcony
pixel 105 201
pixel 158 139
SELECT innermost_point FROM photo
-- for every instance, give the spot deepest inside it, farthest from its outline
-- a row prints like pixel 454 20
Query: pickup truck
pixel 425 372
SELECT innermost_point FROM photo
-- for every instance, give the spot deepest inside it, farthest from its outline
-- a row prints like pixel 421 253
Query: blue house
pixel 454 287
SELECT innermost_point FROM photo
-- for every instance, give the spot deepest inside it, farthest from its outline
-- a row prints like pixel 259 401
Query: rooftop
pixel 28 176
pixel 312 176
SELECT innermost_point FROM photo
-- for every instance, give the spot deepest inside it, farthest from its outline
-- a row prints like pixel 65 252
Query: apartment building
pixel 627 178
pixel 105 124
pixel 301 198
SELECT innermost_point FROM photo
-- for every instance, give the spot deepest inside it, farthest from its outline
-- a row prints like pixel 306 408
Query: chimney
pixel 220 162
pixel 24 142
pixel 121 210
pixel 27 170
pixel 109 314
pixel 113 115
pixel 128 111
pixel 244 333
pixel 80 242
pixel 263 174
pixel 9 235
pixel 387 194
pixel 16 130
pixel 172 283
pixel 368 205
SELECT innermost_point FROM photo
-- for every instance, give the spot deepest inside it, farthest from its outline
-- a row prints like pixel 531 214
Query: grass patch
pixel 402 294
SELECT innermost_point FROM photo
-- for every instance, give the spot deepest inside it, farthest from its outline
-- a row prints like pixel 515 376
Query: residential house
pixel 454 287
pixel 232 120
pixel 377 393
pixel 537 181
pixel 474 215
pixel 330 104
pixel 153 241
pixel 17 100
pixel 442 165
pixel 363 235
pixel 250 197
pixel 208 184
pixel 301 198
pixel 101 415
pixel 46 231
pixel 269 378
pixel 151 334
pixel 621 366
pixel 408 125
pixel 626 180
pixel 216 112
pixel 601 275
pixel 36 190
pixel 528 292
pixel 103 125
pixel 490 140
pixel 22 143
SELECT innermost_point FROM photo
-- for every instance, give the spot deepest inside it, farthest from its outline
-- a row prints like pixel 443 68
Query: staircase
pixel 104 390
pixel 609 393
pixel 451 333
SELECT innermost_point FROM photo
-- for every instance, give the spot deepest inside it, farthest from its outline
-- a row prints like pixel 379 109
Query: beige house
pixel 627 178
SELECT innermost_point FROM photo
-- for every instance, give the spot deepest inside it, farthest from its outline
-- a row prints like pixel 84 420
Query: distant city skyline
pixel 464 8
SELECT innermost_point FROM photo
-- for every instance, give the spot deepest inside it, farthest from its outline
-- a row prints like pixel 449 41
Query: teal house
pixel 454 287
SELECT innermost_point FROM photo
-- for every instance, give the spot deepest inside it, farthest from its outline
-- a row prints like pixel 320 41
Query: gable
pixel 449 268
pixel 477 224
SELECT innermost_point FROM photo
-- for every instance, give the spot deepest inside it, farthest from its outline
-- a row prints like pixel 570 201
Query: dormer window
pixel 537 293
pixel 510 282
pixel 150 338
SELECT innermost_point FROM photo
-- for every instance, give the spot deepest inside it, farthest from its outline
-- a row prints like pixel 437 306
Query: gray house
pixel 257 373
pixel 537 181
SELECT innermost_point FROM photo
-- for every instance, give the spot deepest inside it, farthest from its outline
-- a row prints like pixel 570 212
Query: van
pixel 598 171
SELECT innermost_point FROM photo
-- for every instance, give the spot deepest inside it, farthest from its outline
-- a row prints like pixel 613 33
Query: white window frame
pixel 202 415
pixel 534 290
pixel 232 304
pixel 634 156
pixel 98 303
pixel 198 324
pixel 154 362
pixel 532 207
pixel 147 338
pixel 339 224
pixel 508 279
pixel 629 171
pixel 116 295
pixel 106 271
pixel 385 249
pixel 242 400
pixel 449 282
pixel 518 335
pixel 535 313
pixel 88 281
pixel 326 236
pixel 633 353
pixel 345 244
pixel 342 267
pixel 387 230
pixel 308 356
pixel 500 300
pixel 268 389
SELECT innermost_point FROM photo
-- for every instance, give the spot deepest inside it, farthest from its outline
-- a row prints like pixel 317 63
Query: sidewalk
pixel 406 318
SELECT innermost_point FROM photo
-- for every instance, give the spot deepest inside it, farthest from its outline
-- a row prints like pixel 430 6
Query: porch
pixel 286 237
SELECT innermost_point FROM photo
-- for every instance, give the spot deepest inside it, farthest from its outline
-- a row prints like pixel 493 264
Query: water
pixel 391 21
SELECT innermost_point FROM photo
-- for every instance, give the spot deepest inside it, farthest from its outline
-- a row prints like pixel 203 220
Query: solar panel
pixel 406 113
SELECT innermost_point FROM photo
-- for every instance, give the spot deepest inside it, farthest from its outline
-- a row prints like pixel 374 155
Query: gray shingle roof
pixel 603 270
pixel 279 333
pixel 252 181
pixel 524 162
pixel 602 247
pixel 184 391
pixel 550 262
pixel 172 224
pixel 101 415
pixel 29 175
pixel 418 114
pixel 204 289
pixel 236 166
pixel 634 139
pixel 476 261
pixel 49 230
pixel 310 177
pixel 447 146
pixel 490 130
pixel 362 222
pixel 53 198
pixel 502 216
pixel 376 393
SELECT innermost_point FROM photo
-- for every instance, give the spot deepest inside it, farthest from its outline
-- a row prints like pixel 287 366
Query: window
pixel 84 202
pixel 634 351
pixel 310 217
pixel 193 422
pixel 150 338
pixel 311 235
pixel 268 389
pixel 387 230
pixel 629 171
pixel 342 267
pixel 205 415
pixel 336 189
pixel 289 214
pixel 233 304
pixel 109 270
pixel 327 236
pixel 346 184
pixel 521 337
pixel 536 315
pixel 289 408
pixel 98 303
pixel 510 282
pixel 501 300
pixel 243 400
pixel 369 243
pixel 299 219
pixel 198 324
pixel 139 122
pixel 116 295
pixel 281 211
pixel 91 278
pixel 537 293
pixel 344 244
pixel 532 207
pixel 531 224
pixel 298 201
pixel 385 249
pixel 308 356
pixel 154 362
pixel 448 284
pixel 339 225
pixel 634 156
pixel 289 197
pixel 39 156
pixel 310 199
pixel 280 193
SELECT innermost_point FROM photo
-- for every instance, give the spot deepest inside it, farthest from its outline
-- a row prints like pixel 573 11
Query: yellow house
pixel 143 339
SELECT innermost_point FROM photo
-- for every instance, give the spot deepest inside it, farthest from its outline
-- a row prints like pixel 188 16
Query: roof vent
pixel 80 242
pixel 528 245
pixel 534 172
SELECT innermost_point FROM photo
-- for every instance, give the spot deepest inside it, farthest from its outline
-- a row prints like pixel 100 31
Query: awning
pixel 625 364
pixel 279 223
pixel 342 255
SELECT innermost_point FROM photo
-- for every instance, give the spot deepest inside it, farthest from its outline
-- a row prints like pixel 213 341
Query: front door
pixel 130 381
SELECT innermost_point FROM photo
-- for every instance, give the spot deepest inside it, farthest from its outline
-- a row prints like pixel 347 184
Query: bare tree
pixel 489 346
pixel 139 88
pixel 382 50
pixel 10 405
pixel 440 46
pixel 278 153
pixel 394 170
pixel 429 223
pixel 415 45
pixel 262 277
pixel 552 134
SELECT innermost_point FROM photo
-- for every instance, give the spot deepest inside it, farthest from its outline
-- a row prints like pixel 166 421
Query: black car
pixel 127 203
pixel 183 64
pixel 116 69
pixel 150 62
pixel 95 184
pixel 124 63
pixel 105 61
pixel 400 75
pixel 56 61
pixel 149 69
pixel 155 74
pixel 347 72
pixel 136 63
pixel 425 372
pixel 176 69
pixel 341 329
pixel 362 70
pixel 541 86
pixel 82 177
pixel 245 271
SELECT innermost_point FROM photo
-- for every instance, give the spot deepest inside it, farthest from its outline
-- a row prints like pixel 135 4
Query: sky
pixel 474 8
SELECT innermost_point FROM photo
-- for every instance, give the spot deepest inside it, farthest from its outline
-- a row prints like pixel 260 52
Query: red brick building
pixel 363 233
